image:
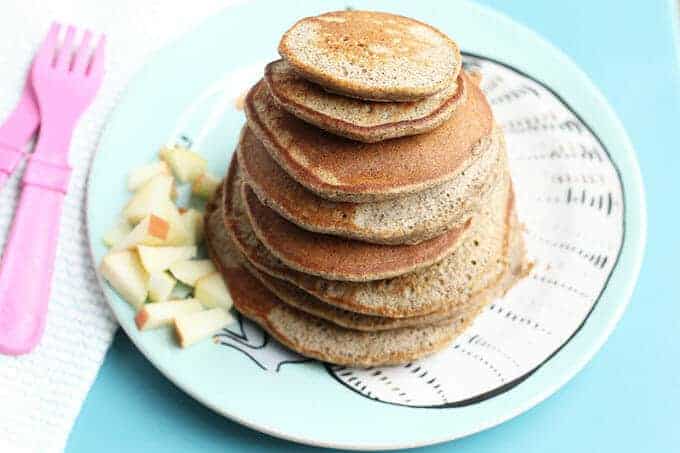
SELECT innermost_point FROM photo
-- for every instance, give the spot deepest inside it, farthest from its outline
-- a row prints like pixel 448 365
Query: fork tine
pixel 45 54
pixel 65 53
pixel 96 67
pixel 82 56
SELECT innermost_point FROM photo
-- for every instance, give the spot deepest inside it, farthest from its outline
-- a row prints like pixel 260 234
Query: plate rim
pixel 630 183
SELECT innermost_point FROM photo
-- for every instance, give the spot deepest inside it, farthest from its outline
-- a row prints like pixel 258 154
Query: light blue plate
pixel 578 191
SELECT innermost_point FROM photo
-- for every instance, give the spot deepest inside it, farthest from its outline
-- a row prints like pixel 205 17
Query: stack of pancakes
pixel 367 215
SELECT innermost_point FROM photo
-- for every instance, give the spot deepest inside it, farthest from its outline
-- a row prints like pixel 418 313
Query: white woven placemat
pixel 41 393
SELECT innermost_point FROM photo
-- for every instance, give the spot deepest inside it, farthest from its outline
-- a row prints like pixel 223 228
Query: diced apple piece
pixel 169 210
pixel 158 314
pixel 194 327
pixel 205 185
pixel 116 233
pixel 160 286
pixel 157 259
pixel 187 165
pixel 125 274
pixel 189 271
pixel 141 175
pixel 193 221
pixel 212 292
pixel 154 230
pixel 150 198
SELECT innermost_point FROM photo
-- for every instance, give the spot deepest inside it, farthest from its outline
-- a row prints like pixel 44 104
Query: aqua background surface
pixel 627 399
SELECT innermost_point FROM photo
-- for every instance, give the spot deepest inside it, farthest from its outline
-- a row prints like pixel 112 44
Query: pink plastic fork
pixel 64 87
pixel 17 131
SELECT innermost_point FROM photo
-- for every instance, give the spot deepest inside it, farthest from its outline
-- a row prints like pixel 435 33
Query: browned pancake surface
pixel 345 170
pixel 407 220
pixel 479 260
pixel 337 258
pixel 365 121
pixel 323 340
pixel 222 250
pixel 372 55
pixel 305 333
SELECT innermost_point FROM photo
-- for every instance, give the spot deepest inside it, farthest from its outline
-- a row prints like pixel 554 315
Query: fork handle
pixel 28 261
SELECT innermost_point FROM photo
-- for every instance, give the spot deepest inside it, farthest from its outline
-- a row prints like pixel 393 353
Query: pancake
pixel 406 220
pixel 336 258
pixel 323 340
pixel 220 245
pixel 479 260
pixel 339 169
pixel 320 339
pixel 372 55
pixel 295 297
pixel 365 121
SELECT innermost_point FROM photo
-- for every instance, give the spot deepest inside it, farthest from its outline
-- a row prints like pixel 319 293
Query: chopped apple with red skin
pixel 159 314
pixel 139 176
pixel 116 233
pixel 157 259
pixel 193 221
pixel 125 273
pixel 205 185
pixel 160 286
pixel 150 198
pixel 194 327
pixel 189 271
pixel 212 292
pixel 154 230
pixel 186 165
pixel 169 211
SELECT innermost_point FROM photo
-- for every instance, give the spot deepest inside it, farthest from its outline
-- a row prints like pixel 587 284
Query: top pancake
pixel 344 170
pixel 365 121
pixel 372 55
